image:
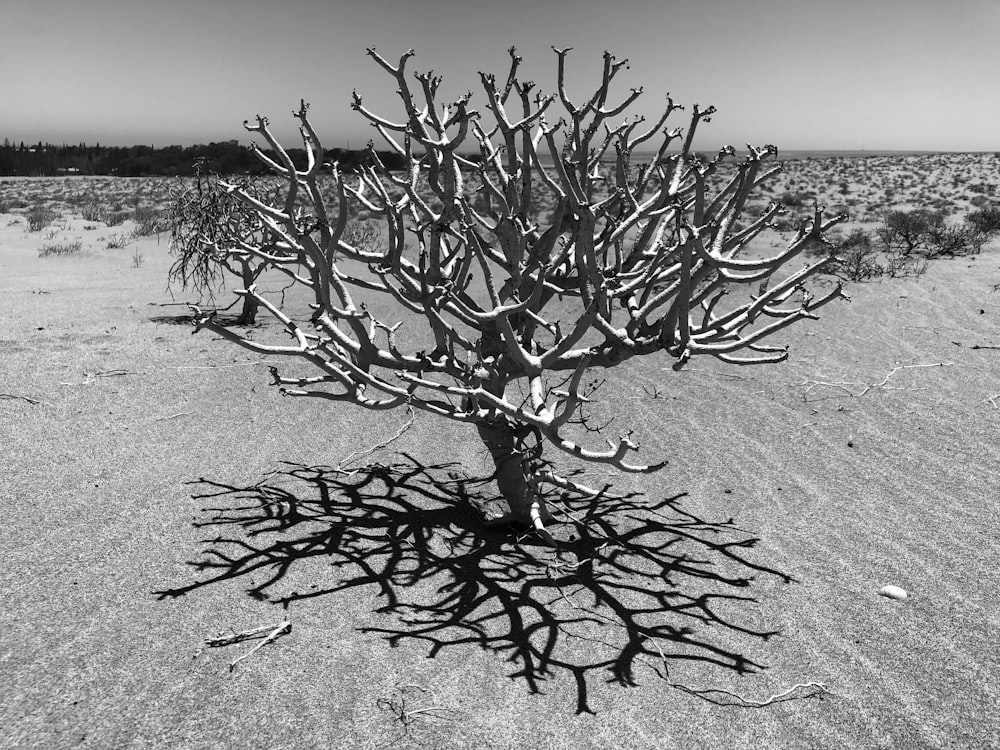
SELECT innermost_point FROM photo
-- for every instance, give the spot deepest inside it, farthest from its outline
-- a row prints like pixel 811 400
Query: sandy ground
pixel 794 492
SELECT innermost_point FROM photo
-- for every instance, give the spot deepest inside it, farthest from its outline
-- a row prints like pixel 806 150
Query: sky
pixel 801 74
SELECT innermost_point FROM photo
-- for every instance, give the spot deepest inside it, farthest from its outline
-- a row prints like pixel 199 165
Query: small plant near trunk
pixel 477 309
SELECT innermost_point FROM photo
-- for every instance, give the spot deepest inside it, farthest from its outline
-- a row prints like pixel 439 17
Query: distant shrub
pixel 986 220
pixel 898 265
pixel 952 241
pixel 147 221
pixel 65 248
pixel 796 199
pixel 857 257
pixel 115 217
pixel 907 232
pixel 92 212
pixel 40 216
pixel 783 224
pixel 120 240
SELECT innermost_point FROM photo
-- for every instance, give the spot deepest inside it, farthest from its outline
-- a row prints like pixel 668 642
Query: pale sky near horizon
pixel 802 74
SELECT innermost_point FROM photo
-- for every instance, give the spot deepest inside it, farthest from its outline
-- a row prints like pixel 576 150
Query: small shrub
pixel 40 216
pixel 857 257
pixel 147 221
pixel 120 240
pixel 953 241
pixel 900 265
pixel 796 199
pixel 986 220
pixel 115 218
pixel 65 248
pixel 92 212
pixel 907 232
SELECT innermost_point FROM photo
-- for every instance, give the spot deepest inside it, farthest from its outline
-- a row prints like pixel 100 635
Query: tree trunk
pixel 248 315
pixel 527 508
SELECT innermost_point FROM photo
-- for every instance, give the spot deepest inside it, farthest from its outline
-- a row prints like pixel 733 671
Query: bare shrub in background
pixel 39 217
pixel 209 226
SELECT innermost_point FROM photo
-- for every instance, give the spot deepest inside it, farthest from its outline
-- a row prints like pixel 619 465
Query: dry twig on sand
pixel 173 416
pixel 270 632
pixel 407 716
pixel 845 385
pixel 18 396
pixel 368 451
pixel 818 688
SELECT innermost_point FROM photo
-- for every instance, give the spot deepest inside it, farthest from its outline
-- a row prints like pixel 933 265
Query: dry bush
pixel 39 217
pixel 64 248
pixel 857 258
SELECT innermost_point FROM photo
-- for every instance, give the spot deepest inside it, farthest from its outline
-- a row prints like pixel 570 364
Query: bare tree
pixel 505 310
pixel 208 227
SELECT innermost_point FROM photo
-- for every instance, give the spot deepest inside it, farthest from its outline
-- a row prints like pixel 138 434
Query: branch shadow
pixel 627 586
pixel 189 319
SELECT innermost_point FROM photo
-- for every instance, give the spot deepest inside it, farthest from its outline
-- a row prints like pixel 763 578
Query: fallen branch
pixel 16 396
pixel 368 451
pixel 91 376
pixel 273 633
pixel 220 367
pixel 110 373
pixel 818 689
pixel 844 385
pixel 407 716
pixel 173 416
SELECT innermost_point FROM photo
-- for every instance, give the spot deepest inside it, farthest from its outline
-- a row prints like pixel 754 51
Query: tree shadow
pixel 188 319
pixel 628 584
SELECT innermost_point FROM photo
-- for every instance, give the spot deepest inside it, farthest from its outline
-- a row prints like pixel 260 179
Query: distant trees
pixel 228 157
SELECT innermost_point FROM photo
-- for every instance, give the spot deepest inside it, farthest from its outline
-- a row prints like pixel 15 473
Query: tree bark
pixel 512 474
pixel 248 315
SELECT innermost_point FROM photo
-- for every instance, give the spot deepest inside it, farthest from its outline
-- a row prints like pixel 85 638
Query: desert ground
pixel 159 494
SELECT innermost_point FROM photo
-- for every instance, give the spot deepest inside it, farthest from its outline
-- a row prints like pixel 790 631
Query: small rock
pixel 892 592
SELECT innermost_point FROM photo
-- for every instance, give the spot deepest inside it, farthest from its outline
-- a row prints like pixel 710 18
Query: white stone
pixel 892 592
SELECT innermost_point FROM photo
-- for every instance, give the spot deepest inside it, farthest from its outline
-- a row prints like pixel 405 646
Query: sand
pixel 134 451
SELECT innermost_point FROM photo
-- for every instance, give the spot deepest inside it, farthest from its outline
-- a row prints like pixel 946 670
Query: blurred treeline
pixel 228 157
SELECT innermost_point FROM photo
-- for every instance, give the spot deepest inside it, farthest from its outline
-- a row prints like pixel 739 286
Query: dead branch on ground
pixel 270 633
pixel 845 385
